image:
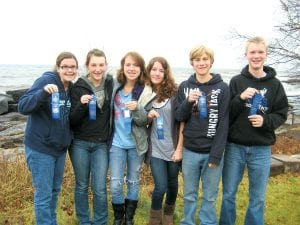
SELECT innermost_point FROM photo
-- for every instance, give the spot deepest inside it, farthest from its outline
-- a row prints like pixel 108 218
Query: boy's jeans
pixel 257 159
pixel 194 167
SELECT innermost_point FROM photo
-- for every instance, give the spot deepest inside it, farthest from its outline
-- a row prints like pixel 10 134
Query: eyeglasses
pixel 66 68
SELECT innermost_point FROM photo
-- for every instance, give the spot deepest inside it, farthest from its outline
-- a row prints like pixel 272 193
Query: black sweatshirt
pixel 205 135
pixel 90 130
pixel 273 108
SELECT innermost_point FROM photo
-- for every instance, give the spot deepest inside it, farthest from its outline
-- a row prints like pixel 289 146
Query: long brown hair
pixel 139 61
pixel 168 87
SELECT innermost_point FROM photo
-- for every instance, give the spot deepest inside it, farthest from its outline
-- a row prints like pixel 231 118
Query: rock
pixel 291 164
pixel 12 127
pixel 11 155
pixel 3 105
pixel 4 100
pixel 16 94
pixel 9 101
pixel 277 167
pixel 292 80
pixel 12 107
pixel 296 156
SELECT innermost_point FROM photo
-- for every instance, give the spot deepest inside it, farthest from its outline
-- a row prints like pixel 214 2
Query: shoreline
pixel 12 126
pixel 285 156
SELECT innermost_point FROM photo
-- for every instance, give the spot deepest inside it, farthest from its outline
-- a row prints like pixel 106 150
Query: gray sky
pixel 36 31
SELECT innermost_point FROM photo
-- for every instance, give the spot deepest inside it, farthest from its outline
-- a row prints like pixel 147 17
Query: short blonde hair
pixel 256 40
pixel 200 50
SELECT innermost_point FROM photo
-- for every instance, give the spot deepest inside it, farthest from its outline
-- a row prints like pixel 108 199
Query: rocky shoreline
pixel 12 126
pixel 9 100
pixel 285 158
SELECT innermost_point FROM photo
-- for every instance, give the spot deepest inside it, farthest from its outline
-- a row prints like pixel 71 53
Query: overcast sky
pixel 36 31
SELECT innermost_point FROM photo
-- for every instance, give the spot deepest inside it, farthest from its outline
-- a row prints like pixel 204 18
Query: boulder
pixel 4 99
pixel 16 94
pixel 9 101
pixel 12 127
pixel 12 107
pixel 291 164
pixel 277 167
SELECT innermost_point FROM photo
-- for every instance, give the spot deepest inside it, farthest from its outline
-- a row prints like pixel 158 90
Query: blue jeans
pixel 257 159
pixel 194 167
pixel 118 159
pixel 90 162
pixel 47 174
pixel 165 175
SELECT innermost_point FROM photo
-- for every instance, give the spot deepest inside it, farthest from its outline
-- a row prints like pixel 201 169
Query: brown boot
pixel 155 217
pixel 168 214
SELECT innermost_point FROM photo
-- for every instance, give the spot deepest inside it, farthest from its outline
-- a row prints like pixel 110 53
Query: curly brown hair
pixel 139 61
pixel 168 87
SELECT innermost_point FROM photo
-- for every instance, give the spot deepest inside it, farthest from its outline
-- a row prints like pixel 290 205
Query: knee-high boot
pixel 119 212
pixel 130 207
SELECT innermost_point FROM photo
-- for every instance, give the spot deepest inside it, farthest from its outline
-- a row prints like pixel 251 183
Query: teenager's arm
pixel 177 155
pixel 220 137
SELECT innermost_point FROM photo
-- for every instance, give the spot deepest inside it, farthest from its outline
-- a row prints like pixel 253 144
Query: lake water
pixel 22 76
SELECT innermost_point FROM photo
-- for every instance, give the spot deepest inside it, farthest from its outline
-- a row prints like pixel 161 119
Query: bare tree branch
pixel 286 47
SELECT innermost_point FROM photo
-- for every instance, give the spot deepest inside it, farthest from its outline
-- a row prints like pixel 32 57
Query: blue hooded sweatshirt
pixel 42 133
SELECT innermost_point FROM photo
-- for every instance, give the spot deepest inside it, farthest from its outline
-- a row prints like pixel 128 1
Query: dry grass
pixel 16 198
pixel 16 192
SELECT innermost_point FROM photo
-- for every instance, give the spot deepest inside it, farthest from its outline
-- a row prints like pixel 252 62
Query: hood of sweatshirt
pixel 216 78
pixel 270 73
pixel 53 78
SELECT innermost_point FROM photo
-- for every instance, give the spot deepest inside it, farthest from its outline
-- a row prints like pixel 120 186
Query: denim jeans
pixel 119 159
pixel 90 164
pixel 257 159
pixel 194 167
pixel 47 175
pixel 165 175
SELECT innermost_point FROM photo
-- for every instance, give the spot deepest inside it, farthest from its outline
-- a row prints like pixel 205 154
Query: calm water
pixel 22 76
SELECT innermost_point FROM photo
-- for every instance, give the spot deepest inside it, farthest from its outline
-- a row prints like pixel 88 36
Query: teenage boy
pixel 258 106
pixel 202 104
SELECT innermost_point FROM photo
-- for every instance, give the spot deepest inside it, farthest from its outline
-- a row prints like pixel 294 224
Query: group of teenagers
pixel 205 127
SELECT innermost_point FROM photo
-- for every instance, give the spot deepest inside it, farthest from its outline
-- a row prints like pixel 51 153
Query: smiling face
pixel 157 74
pixel 202 65
pixel 97 67
pixel 202 59
pixel 67 70
pixel 256 54
pixel 131 69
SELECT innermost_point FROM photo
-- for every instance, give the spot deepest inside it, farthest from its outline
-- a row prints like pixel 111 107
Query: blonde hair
pixel 200 50
pixel 256 40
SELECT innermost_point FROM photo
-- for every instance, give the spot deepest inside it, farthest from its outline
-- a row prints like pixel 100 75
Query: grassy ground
pixel 282 207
